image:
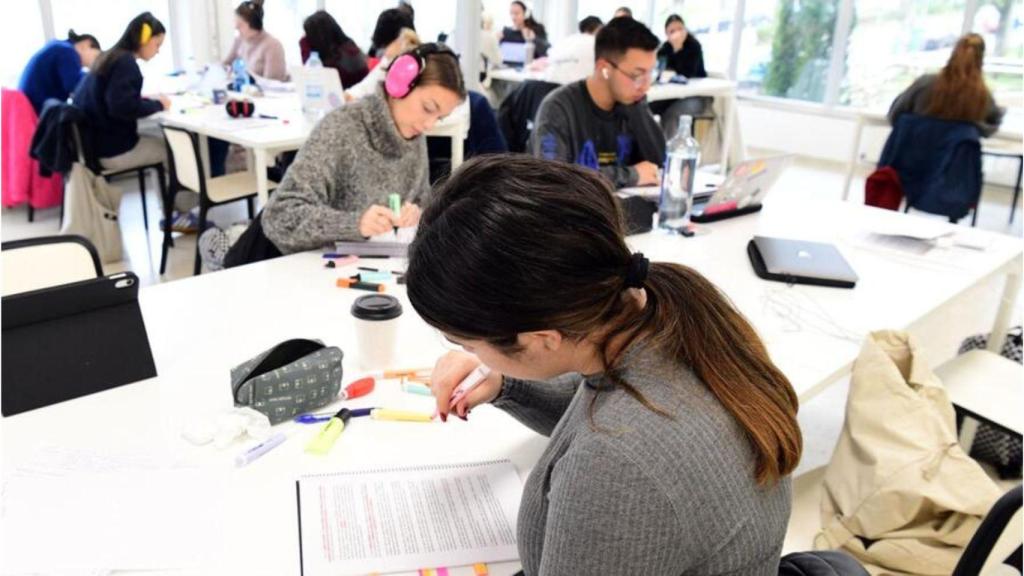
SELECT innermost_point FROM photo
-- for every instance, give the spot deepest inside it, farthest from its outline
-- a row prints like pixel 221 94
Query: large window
pixel 710 22
pixel 891 44
pixel 605 9
pixel 999 22
pixel 22 31
pixel 786 48
pixel 107 20
pixel 283 19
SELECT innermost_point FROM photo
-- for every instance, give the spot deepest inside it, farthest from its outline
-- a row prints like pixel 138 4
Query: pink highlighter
pixel 475 378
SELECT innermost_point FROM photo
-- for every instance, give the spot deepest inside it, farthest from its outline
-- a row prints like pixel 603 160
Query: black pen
pixel 364 268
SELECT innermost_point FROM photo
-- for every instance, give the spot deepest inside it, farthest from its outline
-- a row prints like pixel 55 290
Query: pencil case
pixel 293 377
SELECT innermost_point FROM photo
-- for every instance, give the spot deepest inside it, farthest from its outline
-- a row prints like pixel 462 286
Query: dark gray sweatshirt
pixel 636 493
pixel 353 159
pixel 569 124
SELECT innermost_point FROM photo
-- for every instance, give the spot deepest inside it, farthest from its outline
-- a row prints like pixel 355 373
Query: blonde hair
pixel 959 93
pixel 408 38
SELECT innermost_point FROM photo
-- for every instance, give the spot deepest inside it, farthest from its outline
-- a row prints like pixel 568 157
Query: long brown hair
pixel 512 244
pixel 959 93
pixel 440 68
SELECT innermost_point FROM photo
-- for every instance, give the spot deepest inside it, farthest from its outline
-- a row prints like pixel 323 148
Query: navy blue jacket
pixel 112 103
pixel 939 163
pixel 52 72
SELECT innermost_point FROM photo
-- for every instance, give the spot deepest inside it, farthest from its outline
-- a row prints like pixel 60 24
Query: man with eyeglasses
pixel 603 121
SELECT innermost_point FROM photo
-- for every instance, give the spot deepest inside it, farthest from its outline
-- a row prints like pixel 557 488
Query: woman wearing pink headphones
pixel 338 186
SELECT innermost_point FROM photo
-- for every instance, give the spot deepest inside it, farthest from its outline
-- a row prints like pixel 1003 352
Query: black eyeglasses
pixel 639 80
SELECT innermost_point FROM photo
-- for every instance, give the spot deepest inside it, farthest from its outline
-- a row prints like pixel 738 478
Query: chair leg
pixel 31 213
pixel 203 207
pixel 252 208
pixel 974 214
pixel 1016 189
pixel 168 208
pixel 142 196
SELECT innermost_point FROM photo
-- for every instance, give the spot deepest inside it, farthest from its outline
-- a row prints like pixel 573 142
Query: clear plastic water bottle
pixel 681 160
pixel 314 105
pixel 240 73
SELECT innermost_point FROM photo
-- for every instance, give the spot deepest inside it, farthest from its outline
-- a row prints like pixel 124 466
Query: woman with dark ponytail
pixel 526 29
pixel 263 54
pixel 111 98
pixel 55 70
pixel 672 433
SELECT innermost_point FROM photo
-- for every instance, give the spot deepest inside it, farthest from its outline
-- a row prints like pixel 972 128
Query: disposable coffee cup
pixel 376 318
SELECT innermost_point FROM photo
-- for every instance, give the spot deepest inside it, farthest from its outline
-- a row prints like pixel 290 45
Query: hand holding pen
pixel 460 382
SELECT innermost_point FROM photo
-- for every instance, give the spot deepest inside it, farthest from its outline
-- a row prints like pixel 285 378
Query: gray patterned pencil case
pixel 293 377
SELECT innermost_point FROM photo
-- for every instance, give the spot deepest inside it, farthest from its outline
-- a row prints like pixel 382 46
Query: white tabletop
pixel 200 327
pixel 659 91
pixel 287 131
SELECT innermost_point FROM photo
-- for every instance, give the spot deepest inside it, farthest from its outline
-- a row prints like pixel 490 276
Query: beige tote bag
pixel 900 494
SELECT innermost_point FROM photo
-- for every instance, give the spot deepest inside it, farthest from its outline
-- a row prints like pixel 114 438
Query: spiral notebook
pixel 402 519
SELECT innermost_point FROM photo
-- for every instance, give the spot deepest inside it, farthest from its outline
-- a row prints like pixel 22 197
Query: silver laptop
pixel 747 185
pixel 325 79
pixel 801 261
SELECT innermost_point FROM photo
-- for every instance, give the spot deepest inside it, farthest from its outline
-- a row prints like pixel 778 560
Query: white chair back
pixel 44 262
pixel 183 154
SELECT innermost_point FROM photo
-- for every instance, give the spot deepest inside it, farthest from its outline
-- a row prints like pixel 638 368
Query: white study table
pixel 1007 139
pixel 200 327
pixel 267 137
pixel 720 89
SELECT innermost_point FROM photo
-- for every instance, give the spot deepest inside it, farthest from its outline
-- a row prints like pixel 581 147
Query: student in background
pixel 682 54
pixel 337 188
pixel 672 433
pixel 56 69
pixel 335 48
pixel 623 12
pixel 263 54
pixel 389 25
pixel 957 92
pixel 603 122
pixel 111 98
pixel 526 29
pixel 406 40
pixel 572 59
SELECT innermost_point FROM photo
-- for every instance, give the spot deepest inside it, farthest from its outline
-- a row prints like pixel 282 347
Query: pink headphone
pixel 405 71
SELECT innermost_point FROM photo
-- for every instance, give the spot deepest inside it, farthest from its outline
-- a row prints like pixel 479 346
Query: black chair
pixel 37 263
pixel 187 173
pixel 517 111
pixel 989 533
pixel 92 161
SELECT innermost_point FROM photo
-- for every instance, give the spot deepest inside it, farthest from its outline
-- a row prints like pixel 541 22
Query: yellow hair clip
pixel 147 32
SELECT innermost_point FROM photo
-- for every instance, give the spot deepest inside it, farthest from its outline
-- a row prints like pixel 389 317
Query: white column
pixel 467 41
pixel 837 64
pixel 46 13
pixel 737 37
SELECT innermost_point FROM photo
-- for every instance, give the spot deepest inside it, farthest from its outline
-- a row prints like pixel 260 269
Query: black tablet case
pixel 72 340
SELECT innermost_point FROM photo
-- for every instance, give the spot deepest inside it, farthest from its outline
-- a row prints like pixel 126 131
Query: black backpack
pixel 252 246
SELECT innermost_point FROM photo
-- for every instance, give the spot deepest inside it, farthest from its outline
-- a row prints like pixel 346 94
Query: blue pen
pixel 260 449
pixel 313 418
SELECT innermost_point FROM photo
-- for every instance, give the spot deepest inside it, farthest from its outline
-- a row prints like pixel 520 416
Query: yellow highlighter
pixel 400 415
pixel 322 442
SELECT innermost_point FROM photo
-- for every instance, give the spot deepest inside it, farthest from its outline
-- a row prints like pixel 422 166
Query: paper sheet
pixel 75 511
pixel 404 519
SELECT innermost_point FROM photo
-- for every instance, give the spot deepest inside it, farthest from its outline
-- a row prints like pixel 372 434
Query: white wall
pixel 828 136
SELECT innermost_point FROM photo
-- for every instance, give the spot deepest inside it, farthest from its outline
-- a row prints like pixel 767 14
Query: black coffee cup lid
pixel 376 307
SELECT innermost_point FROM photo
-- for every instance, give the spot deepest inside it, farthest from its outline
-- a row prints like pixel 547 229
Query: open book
pixel 399 519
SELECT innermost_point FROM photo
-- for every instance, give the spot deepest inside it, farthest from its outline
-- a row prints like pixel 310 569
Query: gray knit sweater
pixel 353 159
pixel 644 494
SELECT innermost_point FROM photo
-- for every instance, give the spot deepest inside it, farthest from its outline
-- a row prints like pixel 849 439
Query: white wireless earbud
pixel 604 72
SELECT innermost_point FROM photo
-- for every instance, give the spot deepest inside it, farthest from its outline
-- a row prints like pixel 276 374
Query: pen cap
pixel 376 319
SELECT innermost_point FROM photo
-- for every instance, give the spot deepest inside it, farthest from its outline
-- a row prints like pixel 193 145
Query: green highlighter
pixel 324 441
pixel 395 203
